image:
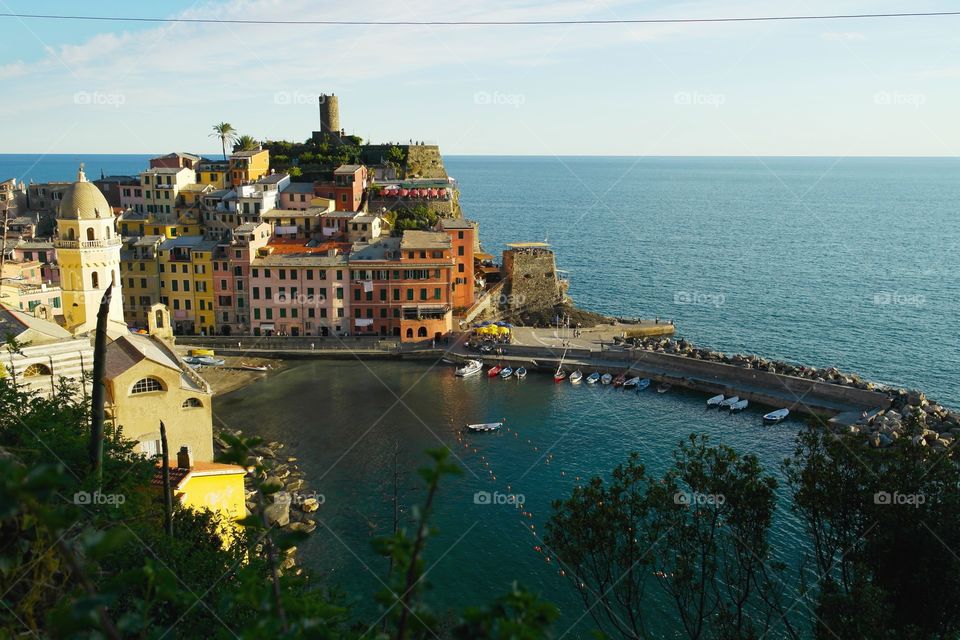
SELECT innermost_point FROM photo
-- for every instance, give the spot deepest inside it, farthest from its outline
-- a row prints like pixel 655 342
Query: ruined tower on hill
pixel 329 114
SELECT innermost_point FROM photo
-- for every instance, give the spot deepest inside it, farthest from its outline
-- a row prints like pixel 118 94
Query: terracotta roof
pixel 296 245
pixel 178 475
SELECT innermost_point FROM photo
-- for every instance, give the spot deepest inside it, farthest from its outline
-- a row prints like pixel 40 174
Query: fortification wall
pixel 532 281
pixel 424 161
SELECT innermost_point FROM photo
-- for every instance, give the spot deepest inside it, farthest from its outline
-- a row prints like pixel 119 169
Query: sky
pixel 885 87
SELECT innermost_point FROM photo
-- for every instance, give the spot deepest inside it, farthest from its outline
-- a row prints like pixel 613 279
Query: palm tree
pixel 245 143
pixel 224 131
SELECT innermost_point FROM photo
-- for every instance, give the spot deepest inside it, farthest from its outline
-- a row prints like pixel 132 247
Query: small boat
pixel 606 378
pixel 739 406
pixel 469 368
pixel 576 376
pixel 714 402
pixel 252 367
pixel 506 372
pixel 643 384
pixel 210 361
pixel 663 387
pixel 559 375
pixel 191 360
pixel 521 372
pixel 776 416
pixel 726 402
pixel 619 380
pixel 485 426
pixel 593 378
pixel 494 371
pixel 631 383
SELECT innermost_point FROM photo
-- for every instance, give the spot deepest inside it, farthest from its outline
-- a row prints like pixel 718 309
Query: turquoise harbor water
pixel 846 262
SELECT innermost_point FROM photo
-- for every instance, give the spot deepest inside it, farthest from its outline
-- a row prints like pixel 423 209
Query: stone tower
pixel 88 252
pixel 329 115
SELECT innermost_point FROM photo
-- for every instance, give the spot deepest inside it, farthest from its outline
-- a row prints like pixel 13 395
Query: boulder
pixel 307 526
pixel 278 512
pixel 310 505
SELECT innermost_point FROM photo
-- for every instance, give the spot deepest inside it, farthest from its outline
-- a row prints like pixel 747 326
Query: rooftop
pixel 298 187
pixel 455 223
pixel 346 169
pixel 194 243
pixel 382 249
pixel 246 154
pixel 272 178
pixel 281 246
pixel 425 240
pixel 129 349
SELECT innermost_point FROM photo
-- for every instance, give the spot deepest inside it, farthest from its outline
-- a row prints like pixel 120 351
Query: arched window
pixel 37 369
pixel 146 385
pixel 191 403
pixel 159 319
pixel 71 235
pixel 422 332
pixel 410 332
pixel 95 279
pixel 90 233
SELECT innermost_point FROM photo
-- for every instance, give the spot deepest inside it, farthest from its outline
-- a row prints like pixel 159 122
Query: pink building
pixel 231 278
pixel 296 196
pixel 131 197
pixel 300 288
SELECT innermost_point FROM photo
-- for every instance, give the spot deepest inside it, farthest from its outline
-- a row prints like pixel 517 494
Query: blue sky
pixel 836 88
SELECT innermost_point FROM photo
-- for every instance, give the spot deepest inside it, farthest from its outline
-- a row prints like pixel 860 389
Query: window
pixel 422 332
pixel 36 370
pixel 256 293
pixel 339 293
pixel 309 274
pixel 409 294
pixel 256 314
pixel 396 294
pixel 146 385
pixel 460 250
pixel 356 295
pixel 459 235
pixel 383 295
pixel 436 294
pixel 423 294
pixel 460 267
pixel 95 280
pixel 192 403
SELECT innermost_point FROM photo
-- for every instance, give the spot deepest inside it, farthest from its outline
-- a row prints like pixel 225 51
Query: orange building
pixel 403 287
pixel 463 236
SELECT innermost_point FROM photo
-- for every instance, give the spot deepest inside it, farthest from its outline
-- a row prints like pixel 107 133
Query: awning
pixel 267 327
pixel 285 229
pixel 482 256
pixel 364 322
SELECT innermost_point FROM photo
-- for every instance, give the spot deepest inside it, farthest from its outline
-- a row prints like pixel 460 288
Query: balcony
pixel 87 244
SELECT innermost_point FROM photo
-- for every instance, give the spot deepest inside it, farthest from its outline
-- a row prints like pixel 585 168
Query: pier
pixel 800 395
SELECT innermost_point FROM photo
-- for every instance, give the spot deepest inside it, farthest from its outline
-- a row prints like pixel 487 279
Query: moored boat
pixel 606 378
pixel 593 378
pixel 485 426
pixel 495 370
pixel 714 402
pixel 576 376
pixel 619 380
pixel 506 372
pixel 559 375
pixel 726 402
pixel 643 384
pixel 740 405
pixel 631 383
pixel 521 372
pixel 469 368
pixel 663 387
pixel 776 416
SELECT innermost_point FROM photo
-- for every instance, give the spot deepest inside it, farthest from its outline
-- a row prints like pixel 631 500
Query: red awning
pixel 404 192
pixel 433 193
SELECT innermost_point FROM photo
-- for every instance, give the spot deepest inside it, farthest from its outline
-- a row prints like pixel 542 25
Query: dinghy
pixel 485 426
pixel 643 384
pixel 714 402
pixel 506 372
pixel 726 402
pixel 469 368
pixel 576 377
pixel 210 361
pixel 776 416
pixel 521 372
pixel 663 387
pixel 606 378
pixel 619 380
pixel 739 406
pixel 593 378
pixel 494 371
pixel 631 383
pixel 559 375
pixel 252 367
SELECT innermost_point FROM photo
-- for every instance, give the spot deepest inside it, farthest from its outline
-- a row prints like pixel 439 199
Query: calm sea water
pixel 846 262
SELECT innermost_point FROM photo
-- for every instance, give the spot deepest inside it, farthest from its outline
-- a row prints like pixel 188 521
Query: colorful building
pixel 248 166
pixel 186 283
pixel 231 277
pixel 140 274
pixel 346 189
pixel 161 190
pixel 215 173
pixel 463 235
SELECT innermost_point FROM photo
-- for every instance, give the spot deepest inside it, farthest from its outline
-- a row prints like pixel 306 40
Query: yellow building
pixel 161 189
pixel 192 194
pixel 248 166
pixel 215 173
pixel 186 283
pixel 208 485
pixel 148 382
pixel 88 252
pixel 140 277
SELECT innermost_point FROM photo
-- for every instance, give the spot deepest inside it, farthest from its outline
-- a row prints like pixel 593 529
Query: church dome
pixel 84 201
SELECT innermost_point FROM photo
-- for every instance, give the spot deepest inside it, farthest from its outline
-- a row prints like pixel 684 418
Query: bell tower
pixel 88 252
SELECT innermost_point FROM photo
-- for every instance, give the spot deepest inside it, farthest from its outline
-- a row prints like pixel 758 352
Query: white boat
pixel 714 402
pixel 252 367
pixel 576 376
pixel 726 402
pixel 593 378
pixel 643 384
pixel 521 372
pixel 776 416
pixel 485 426
pixel 663 387
pixel 606 378
pixel 739 406
pixel 631 383
pixel 210 361
pixel 469 368
pixel 506 372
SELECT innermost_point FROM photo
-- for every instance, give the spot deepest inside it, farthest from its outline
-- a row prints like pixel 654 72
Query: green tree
pixel 245 143
pixel 225 132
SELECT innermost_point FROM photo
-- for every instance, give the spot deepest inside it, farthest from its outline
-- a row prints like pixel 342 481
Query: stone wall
pixel 532 280
pixel 424 161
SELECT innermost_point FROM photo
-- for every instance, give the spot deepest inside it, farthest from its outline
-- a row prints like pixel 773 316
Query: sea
pixel 846 262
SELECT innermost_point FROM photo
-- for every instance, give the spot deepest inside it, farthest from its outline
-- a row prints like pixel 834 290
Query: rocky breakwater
pixel 911 416
pixel 292 504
